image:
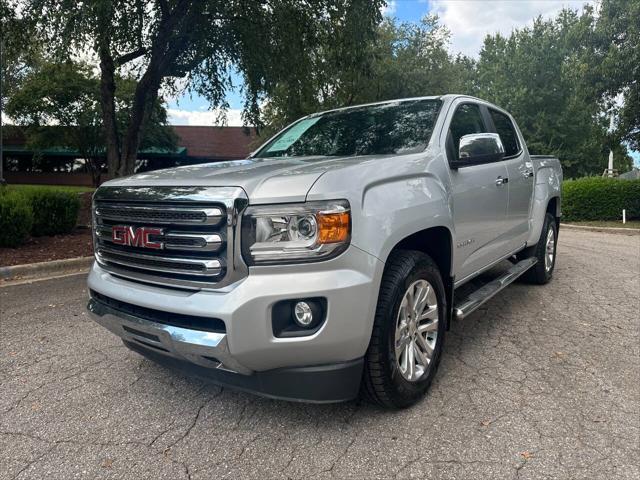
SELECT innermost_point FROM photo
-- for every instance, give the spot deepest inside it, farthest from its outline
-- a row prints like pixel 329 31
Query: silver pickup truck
pixel 330 262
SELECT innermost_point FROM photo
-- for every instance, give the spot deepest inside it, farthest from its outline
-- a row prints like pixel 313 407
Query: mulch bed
pixel 42 249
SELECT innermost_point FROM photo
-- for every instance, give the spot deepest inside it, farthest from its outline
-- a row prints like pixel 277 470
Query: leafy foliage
pixel 54 212
pixel 561 78
pixel 197 44
pixel 41 210
pixel 615 65
pixel 67 94
pixel 595 198
pixel 403 60
pixel 16 219
pixel 20 49
pixel 535 74
pixel 542 74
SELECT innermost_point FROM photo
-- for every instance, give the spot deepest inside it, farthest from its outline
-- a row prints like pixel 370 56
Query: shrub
pixel 37 211
pixel 16 219
pixel 594 198
pixel 54 212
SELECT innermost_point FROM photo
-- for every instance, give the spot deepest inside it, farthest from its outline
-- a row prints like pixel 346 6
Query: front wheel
pixel 408 331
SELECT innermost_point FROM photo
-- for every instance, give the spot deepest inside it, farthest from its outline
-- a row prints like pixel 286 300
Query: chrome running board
pixel 477 298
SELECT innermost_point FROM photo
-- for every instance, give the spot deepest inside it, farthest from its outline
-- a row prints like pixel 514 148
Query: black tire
pixel 539 274
pixel 382 382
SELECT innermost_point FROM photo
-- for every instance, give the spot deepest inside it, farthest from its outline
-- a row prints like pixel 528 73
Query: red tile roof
pixel 216 143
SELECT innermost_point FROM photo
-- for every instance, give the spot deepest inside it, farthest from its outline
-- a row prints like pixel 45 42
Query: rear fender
pixel 548 186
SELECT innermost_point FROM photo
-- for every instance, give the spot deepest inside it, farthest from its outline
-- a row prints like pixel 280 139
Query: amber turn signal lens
pixel 333 227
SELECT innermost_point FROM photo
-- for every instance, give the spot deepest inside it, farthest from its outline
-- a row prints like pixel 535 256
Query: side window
pixel 465 121
pixel 507 132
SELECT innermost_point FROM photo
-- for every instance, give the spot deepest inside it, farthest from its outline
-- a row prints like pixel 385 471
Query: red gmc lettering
pixel 135 237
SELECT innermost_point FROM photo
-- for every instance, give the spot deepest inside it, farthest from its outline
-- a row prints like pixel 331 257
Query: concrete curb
pixel 32 271
pixel 589 228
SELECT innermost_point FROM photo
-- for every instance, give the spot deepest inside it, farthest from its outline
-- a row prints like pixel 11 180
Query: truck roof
pixel 448 96
pixel 395 100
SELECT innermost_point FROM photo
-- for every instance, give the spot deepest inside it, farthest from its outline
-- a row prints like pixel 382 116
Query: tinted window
pixel 389 128
pixel 465 121
pixel 507 132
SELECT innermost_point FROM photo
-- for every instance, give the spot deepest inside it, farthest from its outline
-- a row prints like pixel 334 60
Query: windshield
pixel 389 128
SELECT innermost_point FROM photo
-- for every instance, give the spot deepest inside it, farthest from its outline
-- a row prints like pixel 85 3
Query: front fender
pixel 398 207
pixel 391 199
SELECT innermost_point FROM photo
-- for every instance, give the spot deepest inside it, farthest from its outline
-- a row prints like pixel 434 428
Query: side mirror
pixel 479 148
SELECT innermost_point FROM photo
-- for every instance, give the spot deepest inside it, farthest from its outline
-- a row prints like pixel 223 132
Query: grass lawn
pixel 609 223
pixel 62 188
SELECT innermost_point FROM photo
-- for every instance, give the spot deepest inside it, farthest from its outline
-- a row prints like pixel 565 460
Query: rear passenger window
pixel 507 132
pixel 465 121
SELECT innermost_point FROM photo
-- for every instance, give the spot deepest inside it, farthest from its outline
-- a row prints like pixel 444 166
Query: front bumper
pixel 208 349
pixel 316 384
pixel 323 367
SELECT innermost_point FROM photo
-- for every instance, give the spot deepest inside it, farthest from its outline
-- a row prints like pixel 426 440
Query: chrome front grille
pixel 168 215
pixel 174 236
pixel 174 240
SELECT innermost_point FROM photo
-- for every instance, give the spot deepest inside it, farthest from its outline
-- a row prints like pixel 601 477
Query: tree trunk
pixel 169 42
pixel 95 168
pixel 107 97
pixel 145 96
pixel 166 47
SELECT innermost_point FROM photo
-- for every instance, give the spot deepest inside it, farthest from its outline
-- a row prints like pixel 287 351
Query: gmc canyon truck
pixel 330 261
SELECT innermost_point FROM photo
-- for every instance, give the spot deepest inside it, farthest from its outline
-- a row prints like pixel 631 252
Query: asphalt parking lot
pixel 543 382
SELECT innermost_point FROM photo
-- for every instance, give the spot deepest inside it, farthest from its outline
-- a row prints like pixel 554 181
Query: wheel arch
pixel 553 207
pixel 437 242
pixel 546 198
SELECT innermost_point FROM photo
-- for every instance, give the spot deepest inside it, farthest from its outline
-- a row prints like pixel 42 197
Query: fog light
pixel 303 314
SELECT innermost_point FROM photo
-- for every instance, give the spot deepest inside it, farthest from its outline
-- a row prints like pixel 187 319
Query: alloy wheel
pixel 416 330
pixel 550 250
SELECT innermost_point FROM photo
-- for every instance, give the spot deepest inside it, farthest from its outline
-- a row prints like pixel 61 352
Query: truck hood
pixel 264 180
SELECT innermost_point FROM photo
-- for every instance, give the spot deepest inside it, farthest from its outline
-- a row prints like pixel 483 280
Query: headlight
pixel 295 233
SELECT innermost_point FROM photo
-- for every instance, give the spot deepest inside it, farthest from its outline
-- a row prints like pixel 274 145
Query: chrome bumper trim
pixel 207 349
pixel 201 267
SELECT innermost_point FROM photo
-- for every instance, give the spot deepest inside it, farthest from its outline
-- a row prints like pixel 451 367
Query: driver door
pixel 480 198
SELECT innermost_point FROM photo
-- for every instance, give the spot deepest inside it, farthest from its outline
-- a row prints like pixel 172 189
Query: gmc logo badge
pixel 135 237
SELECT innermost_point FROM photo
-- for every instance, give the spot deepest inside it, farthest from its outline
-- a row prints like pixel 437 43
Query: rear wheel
pixel 408 331
pixel 544 251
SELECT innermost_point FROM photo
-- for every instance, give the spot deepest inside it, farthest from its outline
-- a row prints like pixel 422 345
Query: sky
pixel 468 20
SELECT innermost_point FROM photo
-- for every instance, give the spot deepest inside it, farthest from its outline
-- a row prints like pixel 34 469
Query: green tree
pixel 537 74
pixel 197 43
pixel 411 59
pixel 615 65
pixel 20 50
pixel 58 105
pixel 404 60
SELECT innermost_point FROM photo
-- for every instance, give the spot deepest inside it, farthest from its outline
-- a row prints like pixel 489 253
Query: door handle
pixel 528 173
pixel 501 181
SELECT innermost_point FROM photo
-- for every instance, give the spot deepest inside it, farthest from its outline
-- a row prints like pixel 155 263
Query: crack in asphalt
pixel 540 383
